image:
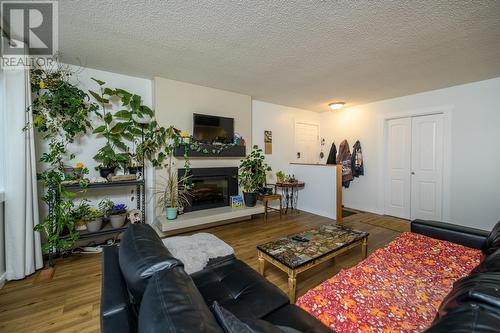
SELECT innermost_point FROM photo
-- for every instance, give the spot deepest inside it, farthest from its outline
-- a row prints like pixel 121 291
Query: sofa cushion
pixel 482 289
pixel 172 303
pixel 466 319
pixel 239 289
pixel 292 316
pixel 493 241
pixel 490 263
pixel 141 254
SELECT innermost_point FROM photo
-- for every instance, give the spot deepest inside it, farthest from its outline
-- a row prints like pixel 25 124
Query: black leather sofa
pixel 473 305
pixel 145 289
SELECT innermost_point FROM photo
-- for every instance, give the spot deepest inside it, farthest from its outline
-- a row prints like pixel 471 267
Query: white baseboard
pixel 3 279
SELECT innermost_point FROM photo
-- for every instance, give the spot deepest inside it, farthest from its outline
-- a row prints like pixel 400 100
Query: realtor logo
pixel 29 28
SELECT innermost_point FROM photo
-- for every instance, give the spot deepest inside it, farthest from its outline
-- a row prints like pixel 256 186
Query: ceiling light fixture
pixel 336 105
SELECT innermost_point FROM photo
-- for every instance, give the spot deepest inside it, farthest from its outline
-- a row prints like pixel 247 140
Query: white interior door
pixel 306 143
pixel 398 180
pixel 427 167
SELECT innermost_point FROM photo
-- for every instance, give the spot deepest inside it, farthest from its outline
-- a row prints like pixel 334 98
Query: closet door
pixel 427 167
pixel 398 181
pixel 306 143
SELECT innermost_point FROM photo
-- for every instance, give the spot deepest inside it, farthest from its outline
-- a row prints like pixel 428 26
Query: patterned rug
pixel 398 288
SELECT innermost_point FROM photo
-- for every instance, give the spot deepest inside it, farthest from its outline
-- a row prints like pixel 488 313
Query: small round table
pixel 290 191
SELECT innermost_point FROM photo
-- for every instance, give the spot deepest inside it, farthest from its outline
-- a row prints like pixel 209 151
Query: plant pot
pixel 73 173
pixel 105 172
pixel 94 225
pixel 80 225
pixel 134 170
pixel 118 220
pixel 171 213
pixel 250 198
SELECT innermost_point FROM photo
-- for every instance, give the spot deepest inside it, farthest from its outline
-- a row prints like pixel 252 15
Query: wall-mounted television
pixel 213 129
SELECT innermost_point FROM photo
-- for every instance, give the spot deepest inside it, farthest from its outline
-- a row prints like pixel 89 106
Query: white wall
pixel 281 121
pixel 175 102
pixel 86 147
pixel 474 156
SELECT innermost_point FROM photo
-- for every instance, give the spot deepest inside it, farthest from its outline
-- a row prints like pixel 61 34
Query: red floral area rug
pixel 398 288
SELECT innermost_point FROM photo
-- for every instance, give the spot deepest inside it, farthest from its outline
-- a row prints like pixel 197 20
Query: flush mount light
pixel 336 105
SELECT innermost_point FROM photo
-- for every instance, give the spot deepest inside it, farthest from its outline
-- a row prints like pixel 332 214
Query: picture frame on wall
pixel 268 142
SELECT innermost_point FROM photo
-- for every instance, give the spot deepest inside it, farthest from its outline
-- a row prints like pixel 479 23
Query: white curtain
pixel 23 253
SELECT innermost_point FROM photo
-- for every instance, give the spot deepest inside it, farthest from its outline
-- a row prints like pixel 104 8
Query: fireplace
pixel 211 187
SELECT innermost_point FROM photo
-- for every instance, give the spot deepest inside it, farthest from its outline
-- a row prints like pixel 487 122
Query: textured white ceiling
pixel 297 53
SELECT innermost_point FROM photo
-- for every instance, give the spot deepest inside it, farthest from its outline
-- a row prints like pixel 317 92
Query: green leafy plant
pixel 61 113
pixel 126 125
pixel 93 214
pixel 106 206
pixel 280 176
pixel 252 171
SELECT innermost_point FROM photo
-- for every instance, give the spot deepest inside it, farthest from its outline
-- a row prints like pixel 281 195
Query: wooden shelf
pixel 233 151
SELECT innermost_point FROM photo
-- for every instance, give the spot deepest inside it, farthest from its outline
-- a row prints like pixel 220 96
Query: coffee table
pixel 293 257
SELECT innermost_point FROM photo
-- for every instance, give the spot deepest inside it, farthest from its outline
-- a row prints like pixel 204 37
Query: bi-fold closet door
pixel 414 167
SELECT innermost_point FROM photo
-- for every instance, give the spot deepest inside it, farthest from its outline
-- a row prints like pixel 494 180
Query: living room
pixel 250 167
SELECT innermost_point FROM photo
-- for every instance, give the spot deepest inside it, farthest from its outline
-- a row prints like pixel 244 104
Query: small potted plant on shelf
pixel 118 215
pixel 252 175
pixel 79 214
pixel 106 207
pixel 94 220
pixel 109 160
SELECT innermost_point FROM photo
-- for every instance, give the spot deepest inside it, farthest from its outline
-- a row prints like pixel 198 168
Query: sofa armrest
pixel 117 314
pixel 470 237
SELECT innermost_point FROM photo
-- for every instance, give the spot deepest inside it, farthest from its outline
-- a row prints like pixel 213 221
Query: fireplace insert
pixel 211 187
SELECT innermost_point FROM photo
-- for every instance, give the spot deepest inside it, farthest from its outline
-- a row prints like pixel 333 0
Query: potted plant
pixel 171 196
pixel 79 214
pixel 94 220
pixel 118 215
pixel 280 176
pixel 106 207
pixel 252 175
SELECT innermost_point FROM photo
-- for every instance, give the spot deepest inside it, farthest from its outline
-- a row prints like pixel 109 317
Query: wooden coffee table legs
pixel 262 264
pixel 364 247
pixel 292 285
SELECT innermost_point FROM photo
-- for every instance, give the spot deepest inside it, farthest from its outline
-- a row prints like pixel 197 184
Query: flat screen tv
pixel 213 129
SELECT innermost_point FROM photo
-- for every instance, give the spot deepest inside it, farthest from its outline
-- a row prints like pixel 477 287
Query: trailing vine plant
pixel 60 114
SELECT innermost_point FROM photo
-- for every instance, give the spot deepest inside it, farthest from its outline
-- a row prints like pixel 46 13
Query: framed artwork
pixel 236 201
pixel 268 142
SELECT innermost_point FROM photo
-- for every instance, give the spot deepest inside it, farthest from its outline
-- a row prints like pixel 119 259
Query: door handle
pixel 412 173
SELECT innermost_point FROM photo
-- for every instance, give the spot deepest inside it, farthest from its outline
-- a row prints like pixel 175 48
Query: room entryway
pixel 414 167
pixel 306 143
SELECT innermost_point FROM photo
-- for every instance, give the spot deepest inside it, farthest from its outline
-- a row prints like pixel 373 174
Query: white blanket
pixel 195 251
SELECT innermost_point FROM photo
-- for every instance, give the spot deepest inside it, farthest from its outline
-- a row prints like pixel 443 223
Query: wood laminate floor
pixel 70 301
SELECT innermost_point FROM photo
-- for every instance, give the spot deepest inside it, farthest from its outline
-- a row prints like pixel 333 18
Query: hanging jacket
pixel 332 156
pixel 357 160
pixel 344 158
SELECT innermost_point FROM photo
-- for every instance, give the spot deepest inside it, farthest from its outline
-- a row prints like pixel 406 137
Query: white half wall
pixel 473 159
pixel 280 120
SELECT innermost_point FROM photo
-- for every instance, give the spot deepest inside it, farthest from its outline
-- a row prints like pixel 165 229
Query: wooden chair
pixel 266 198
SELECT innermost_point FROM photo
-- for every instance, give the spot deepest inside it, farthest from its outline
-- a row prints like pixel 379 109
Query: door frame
pixel 446 111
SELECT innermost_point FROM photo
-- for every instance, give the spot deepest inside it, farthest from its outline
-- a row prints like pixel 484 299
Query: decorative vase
pixel 118 220
pixel 250 199
pixel 94 225
pixel 171 213
pixel 105 172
